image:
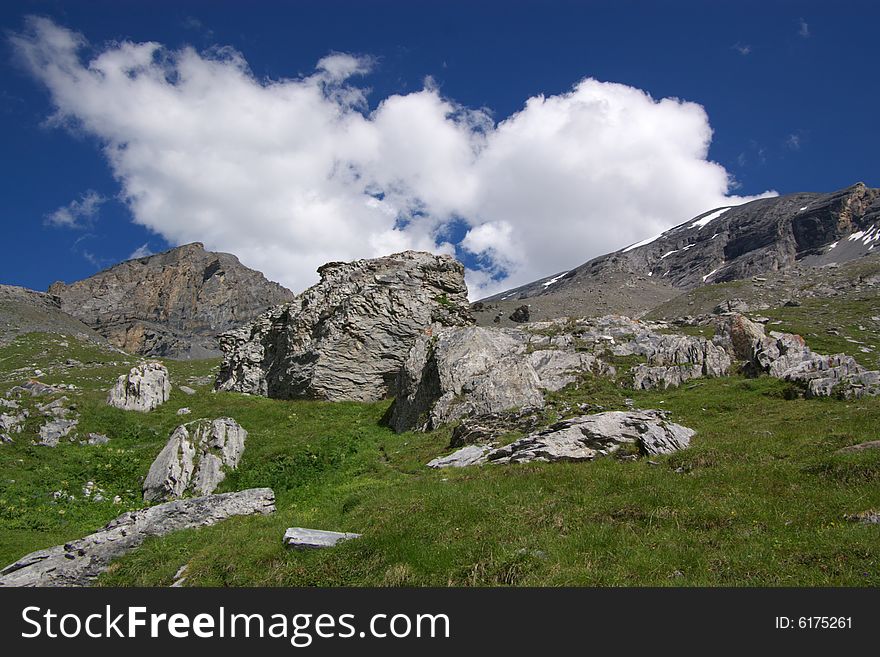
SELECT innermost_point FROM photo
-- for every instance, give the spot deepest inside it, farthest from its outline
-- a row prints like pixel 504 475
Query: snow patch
pixel 642 243
pixel 709 274
pixel 553 280
pixel 669 253
pixel 699 223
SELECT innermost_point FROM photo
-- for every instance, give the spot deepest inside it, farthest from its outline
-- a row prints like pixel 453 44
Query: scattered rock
pixel 79 562
pixel 144 388
pixel 180 576
pixel 33 388
pixel 865 517
pixel 54 430
pixel 305 539
pixel 97 439
pixel 861 447
pixel 468 455
pixel 186 390
pixel 184 411
pixel 583 438
pixel 520 314
pixel 346 337
pixel 195 459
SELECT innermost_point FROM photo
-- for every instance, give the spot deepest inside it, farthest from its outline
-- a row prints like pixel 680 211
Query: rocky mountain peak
pixel 170 304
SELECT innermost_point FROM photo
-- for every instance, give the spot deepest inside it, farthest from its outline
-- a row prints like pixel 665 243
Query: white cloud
pixel 288 174
pixel 803 29
pixel 743 49
pixel 79 213
pixel 141 252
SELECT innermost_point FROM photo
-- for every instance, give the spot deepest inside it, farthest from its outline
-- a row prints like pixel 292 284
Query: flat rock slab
pixel 310 539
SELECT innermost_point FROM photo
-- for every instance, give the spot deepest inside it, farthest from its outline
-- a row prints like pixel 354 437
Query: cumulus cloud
pixel 79 213
pixel 291 173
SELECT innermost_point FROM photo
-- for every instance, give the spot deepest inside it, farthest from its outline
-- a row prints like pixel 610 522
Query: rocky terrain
pixel 724 244
pixel 171 304
pixel 26 311
pixel 346 337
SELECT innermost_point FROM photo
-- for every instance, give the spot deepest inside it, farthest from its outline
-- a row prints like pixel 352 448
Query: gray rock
pixel 582 438
pixel 186 390
pixel 195 459
pixel 346 337
pixel 786 356
pixel 306 539
pixel 144 388
pixel 12 423
pixel 468 455
pixel 79 562
pixel 861 447
pixel 461 372
pixel 520 314
pixel 97 439
pixel 54 430
pixel 183 411
pixel 33 388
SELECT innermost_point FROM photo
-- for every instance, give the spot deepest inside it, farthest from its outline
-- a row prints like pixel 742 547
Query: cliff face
pixel 346 337
pixel 171 304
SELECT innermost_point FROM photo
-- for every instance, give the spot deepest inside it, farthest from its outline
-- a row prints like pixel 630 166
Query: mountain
pixel 171 304
pixel 26 311
pixel 724 244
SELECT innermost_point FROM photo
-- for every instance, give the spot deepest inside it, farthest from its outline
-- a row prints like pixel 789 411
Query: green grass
pixel 759 498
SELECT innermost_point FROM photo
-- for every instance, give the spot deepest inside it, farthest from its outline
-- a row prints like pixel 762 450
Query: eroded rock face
pixel 144 388
pixel 346 337
pixel 786 356
pixel 475 371
pixel 171 304
pixel 79 562
pixel 582 438
pixel 195 459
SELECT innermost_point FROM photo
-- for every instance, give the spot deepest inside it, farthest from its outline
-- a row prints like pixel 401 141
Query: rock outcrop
pixel 301 538
pixel 171 304
pixel 582 438
pixel 475 371
pixel 144 388
pixel 346 337
pixel 195 459
pixel 79 562
pixel 786 356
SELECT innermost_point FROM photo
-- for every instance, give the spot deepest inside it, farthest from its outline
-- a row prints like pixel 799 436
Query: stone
pixel 463 457
pixel 195 459
pixel 144 388
pixel 461 372
pixel 861 447
pixel 184 411
pixel 186 390
pixel 13 422
pixel 582 438
pixel 97 439
pixel 786 356
pixel 54 430
pixel 33 388
pixel 520 314
pixel 307 539
pixel 172 304
pixel 79 562
pixel 346 337
pixel 486 428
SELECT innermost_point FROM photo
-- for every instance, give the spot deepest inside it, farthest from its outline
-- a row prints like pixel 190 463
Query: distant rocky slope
pixel 346 337
pixel 724 244
pixel 27 311
pixel 171 304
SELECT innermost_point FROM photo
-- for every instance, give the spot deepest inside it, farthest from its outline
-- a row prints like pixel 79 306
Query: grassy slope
pixel 758 499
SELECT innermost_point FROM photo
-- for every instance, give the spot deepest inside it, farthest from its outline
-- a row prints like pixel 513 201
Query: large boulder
pixel 346 337
pixel 195 459
pixel 79 562
pixel 582 438
pixel 474 371
pixel 144 388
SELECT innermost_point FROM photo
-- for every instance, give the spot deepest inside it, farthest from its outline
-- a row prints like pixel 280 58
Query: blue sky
pixel 453 126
